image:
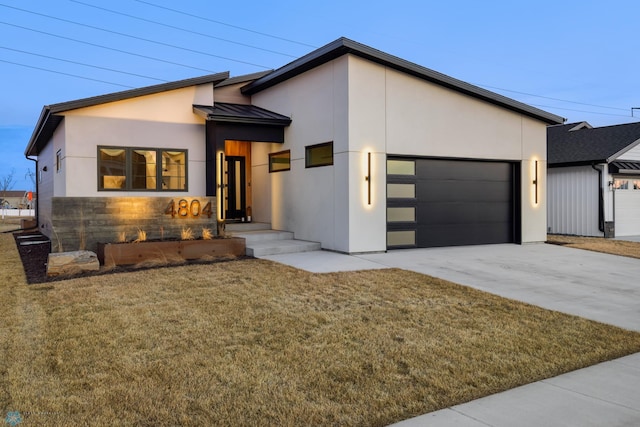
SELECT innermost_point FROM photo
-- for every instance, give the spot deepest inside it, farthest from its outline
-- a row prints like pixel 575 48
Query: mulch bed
pixel 35 256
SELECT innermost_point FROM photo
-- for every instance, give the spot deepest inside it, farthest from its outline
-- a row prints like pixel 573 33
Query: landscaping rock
pixel 68 263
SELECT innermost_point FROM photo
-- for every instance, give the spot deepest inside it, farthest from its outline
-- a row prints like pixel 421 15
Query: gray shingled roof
pixel 589 145
pixel 344 46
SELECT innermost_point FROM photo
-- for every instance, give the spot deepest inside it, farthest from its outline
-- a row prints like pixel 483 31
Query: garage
pixel 450 202
pixel 627 206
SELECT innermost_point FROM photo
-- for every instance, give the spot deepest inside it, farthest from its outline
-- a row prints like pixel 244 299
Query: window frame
pixel 273 155
pixel 310 148
pixel 128 166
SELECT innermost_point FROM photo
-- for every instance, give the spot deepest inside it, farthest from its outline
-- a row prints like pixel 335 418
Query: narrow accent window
pixel 146 169
pixel 280 161
pixel 319 155
pixel 58 160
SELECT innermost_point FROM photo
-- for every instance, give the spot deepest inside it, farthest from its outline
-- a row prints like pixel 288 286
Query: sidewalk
pixel 600 287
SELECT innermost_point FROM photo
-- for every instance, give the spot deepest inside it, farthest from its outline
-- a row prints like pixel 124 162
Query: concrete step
pixel 275 247
pixel 247 226
pixel 262 235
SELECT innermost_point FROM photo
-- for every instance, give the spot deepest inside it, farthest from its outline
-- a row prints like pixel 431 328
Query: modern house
pixel 594 179
pixel 347 146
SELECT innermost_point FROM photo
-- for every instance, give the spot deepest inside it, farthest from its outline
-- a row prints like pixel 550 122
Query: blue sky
pixel 577 59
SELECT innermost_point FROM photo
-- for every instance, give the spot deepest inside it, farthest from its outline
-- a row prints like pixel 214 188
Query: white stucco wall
pixel 364 107
pixel 156 121
pixel 313 203
pixel 46 159
pixel 399 114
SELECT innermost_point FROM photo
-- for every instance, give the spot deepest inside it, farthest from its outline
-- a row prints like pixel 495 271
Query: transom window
pixel 141 169
pixel 626 184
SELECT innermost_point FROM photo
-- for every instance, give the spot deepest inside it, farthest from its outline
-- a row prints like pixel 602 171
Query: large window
pixel 319 155
pixel 280 161
pixel 146 169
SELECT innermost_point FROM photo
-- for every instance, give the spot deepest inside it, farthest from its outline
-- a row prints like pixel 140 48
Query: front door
pixel 235 205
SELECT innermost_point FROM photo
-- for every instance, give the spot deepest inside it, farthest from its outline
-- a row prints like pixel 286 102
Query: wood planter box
pixel 168 251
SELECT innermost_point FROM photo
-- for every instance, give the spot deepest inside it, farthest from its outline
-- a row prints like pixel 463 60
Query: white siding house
pixel 594 180
pixel 347 146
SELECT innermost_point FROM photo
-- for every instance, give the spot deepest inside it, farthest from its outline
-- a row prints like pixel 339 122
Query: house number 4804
pixel 184 209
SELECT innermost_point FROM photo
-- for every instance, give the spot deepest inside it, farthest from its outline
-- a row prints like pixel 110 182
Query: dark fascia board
pixel 243 79
pixel 344 46
pixel 133 93
pixel 48 120
pixel 579 163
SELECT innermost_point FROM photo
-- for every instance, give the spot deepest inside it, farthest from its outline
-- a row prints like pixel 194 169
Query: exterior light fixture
pixel 535 182
pixel 368 178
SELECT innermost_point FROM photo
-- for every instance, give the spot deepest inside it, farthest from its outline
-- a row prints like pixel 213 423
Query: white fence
pixel 17 212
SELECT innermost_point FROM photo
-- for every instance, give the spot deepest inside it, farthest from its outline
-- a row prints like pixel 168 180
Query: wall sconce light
pixel 535 182
pixel 368 178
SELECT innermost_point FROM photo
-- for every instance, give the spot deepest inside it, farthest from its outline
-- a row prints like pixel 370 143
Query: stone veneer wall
pixel 101 219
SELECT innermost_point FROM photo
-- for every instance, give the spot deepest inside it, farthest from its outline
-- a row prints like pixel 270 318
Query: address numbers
pixel 185 209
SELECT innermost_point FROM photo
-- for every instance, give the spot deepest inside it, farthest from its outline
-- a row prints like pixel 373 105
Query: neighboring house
pixel 15 199
pixel 594 179
pixel 347 146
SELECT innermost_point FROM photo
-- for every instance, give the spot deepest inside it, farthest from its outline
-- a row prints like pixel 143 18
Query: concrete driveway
pixel 596 286
pixel 588 284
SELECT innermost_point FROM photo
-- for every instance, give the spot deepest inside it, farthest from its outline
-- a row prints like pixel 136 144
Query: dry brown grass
pixel 251 342
pixel 9 223
pixel 597 244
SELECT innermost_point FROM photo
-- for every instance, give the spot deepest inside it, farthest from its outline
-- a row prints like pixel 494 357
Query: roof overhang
pixel 50 118
pixel 345 46
pixel 223 112
pixel 627 167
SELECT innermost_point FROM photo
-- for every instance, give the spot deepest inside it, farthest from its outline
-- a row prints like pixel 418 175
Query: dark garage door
pixel 433 202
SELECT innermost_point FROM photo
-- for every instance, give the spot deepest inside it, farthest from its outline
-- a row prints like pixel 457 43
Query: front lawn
pixel 252 342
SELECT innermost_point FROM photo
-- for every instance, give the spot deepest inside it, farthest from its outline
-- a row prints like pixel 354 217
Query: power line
pixel 182 29
pixel 83 64
pixel 137 38
pixel 107 48
pixel 579 111
pixel 225 24
pixel 553 99
pixel 65 74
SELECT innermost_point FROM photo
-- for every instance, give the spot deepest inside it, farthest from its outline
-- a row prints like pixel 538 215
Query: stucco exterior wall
pixel 395 113
pixel 156 121
pixel 313 202
pixel 367 108
pixel 47 180
pixel 84 134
